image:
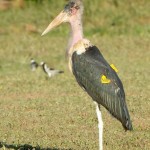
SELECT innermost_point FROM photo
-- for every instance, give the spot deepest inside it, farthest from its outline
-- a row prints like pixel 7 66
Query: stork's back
pixel 88 68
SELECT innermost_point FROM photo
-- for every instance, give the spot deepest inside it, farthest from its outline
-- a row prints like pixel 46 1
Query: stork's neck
pixel 76 33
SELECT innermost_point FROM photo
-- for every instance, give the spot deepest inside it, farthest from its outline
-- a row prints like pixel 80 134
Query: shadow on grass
pixel 26 147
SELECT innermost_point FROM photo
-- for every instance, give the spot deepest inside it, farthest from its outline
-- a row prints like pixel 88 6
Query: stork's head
pixel 72 11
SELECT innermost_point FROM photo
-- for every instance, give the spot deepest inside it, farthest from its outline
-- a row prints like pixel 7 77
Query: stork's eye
pixel 77 7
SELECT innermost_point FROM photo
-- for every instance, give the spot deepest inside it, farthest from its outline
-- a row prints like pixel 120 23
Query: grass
pixel 55 113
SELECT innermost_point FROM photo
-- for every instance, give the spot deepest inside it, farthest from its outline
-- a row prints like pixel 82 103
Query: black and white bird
pixel 91 70
pixel 33 64
pixel 50 71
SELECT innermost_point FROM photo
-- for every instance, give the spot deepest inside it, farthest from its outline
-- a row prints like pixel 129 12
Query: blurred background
pixel 36 112
pixel 112 16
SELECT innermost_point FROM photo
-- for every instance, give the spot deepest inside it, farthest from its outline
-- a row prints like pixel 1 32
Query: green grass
pixel 56 113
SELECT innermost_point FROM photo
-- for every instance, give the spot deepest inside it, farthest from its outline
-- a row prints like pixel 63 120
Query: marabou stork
pixel 91 70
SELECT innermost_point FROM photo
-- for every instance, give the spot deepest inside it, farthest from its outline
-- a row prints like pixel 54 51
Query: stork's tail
pixel 127 123
pixel 128 126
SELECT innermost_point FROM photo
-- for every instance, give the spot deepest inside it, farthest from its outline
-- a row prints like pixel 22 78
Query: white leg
pixel 100 126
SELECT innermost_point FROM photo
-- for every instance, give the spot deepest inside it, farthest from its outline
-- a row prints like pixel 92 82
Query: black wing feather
pixel 88 69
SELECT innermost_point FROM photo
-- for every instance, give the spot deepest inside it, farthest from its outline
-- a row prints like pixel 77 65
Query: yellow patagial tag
pixel 104 79
pixel 113 67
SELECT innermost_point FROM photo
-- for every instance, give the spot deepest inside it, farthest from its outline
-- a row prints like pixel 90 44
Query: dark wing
pixel 88 68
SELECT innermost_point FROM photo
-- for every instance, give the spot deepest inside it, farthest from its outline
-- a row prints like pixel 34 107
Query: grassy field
pixel 55 114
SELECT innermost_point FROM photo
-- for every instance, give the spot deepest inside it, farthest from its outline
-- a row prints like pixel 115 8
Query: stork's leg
pixel 100 126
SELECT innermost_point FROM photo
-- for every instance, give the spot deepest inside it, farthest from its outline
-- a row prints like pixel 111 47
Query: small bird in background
pixel 50 71
pixel 33 64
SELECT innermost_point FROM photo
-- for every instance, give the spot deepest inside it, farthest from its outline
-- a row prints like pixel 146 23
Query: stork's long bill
pixel 62 17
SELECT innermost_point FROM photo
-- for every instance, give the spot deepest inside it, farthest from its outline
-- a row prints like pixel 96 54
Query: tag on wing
pixel 114 68
pixel 105 80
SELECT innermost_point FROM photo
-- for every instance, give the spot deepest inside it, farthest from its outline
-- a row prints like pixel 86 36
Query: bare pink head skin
pixel 72 14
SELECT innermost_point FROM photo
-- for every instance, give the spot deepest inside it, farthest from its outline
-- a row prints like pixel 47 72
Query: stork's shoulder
pixel 81 46
pixel 82 49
